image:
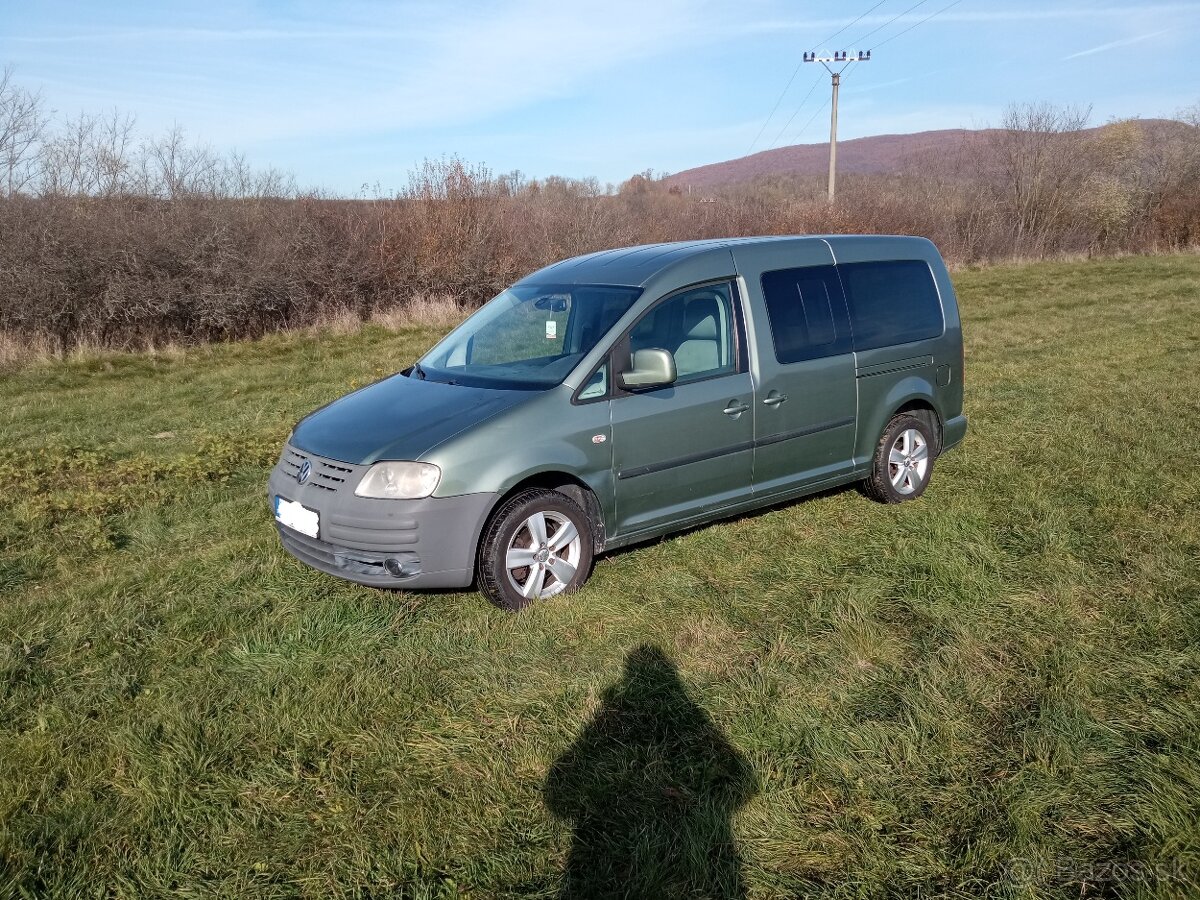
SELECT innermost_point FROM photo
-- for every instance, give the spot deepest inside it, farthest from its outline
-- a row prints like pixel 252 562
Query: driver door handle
pixel 735 408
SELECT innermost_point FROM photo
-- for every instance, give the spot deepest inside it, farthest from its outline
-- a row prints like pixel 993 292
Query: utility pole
pixel 839 56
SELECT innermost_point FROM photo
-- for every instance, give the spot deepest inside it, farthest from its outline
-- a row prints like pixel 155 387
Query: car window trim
pixel 576 400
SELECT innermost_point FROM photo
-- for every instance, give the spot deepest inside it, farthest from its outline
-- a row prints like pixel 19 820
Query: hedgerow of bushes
pixel 107 244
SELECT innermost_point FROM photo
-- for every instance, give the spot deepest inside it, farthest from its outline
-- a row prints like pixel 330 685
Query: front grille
pixel 326 474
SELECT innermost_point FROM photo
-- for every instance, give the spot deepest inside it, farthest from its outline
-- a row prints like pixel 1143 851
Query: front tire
pixel 903 461
pixel 537 545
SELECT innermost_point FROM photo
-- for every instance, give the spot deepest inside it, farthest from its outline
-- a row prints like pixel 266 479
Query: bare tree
pixel 1035 155
pixel 272 183
pixel 65 165
pixel 172 168
pixel 111 146
pixel 22 124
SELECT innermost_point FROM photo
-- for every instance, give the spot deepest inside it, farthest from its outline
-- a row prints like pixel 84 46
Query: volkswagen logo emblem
pixel 305 471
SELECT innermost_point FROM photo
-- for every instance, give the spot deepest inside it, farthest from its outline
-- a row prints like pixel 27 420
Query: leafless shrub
pixel 111 240
pixel 1036 152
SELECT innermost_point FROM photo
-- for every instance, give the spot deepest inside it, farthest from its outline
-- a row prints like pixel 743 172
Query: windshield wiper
pixel 418 371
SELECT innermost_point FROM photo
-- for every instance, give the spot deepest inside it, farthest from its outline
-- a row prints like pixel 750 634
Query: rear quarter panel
pixel 889 377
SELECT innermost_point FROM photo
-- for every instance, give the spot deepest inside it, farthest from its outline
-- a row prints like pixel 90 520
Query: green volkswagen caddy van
pixel 615 397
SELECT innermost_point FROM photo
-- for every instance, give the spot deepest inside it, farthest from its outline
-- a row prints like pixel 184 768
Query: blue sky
pixel 356 93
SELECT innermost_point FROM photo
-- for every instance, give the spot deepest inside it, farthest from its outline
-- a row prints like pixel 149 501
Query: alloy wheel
pixel 908 461
pixel 543 555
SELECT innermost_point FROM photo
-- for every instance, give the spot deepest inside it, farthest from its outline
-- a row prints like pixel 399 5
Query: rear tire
pixel 903 461
pixel 537 545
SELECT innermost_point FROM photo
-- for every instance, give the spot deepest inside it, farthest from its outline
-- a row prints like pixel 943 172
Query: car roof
pixel 638 265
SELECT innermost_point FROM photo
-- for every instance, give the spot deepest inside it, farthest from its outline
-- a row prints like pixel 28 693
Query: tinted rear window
pixel 806 313
pixel 891 302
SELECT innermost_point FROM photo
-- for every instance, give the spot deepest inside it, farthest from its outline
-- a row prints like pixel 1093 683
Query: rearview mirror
pixel 651 368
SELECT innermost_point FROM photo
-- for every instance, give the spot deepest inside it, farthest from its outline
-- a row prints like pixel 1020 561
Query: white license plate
pixel 297 517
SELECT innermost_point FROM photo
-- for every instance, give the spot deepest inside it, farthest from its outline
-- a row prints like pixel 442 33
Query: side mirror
pixel 651 368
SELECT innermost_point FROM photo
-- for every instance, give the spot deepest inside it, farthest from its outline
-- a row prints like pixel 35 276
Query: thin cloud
pixel 980 16
pixel 522 53
pixel 218 35
pixel 866 88
pixel 1114 44
pixel 212 35
pixel 430 72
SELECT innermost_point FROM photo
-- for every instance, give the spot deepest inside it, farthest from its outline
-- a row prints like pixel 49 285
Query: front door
pixel 686 449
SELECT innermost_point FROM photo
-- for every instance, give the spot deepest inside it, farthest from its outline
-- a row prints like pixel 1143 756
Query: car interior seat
pixel 700 349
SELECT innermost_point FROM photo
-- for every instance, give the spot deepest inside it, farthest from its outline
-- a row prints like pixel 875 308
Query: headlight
pixel 399 481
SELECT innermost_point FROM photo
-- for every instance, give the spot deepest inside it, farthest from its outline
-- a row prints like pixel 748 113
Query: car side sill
pixel 724 512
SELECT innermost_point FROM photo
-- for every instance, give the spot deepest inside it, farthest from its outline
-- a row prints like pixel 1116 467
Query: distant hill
pixel 881 154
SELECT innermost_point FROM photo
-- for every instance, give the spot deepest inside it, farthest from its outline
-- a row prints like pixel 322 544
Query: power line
pixel 820 109
pixel 845 27
pixel 852 24
pixel 795 71
pixel 889 22
pixel 812 57
pixel 846 59
pixel 773 110
pixel 922 22
pixel 811 118
pixel 796 113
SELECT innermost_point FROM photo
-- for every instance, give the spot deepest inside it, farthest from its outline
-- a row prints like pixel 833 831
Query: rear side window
pixel 891 302
pixel 806 313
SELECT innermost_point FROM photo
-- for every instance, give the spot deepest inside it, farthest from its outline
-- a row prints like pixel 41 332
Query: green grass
pixel 994 691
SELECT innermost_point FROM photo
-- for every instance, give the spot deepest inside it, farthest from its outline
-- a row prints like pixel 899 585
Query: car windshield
pixel 529 337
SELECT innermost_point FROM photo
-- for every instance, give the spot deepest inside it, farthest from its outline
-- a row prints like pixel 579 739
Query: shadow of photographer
pixel 650 786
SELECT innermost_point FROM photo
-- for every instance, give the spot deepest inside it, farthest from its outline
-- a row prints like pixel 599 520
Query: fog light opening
pixel 394 567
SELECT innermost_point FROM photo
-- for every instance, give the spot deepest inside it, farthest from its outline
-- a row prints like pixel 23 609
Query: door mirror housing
pixel 651 368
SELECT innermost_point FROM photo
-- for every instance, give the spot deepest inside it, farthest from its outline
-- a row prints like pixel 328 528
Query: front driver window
pixel 696 327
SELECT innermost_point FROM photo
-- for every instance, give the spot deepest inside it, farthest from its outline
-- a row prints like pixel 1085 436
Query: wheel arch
pixel 880 403
pixel 565 483
pixel 922 408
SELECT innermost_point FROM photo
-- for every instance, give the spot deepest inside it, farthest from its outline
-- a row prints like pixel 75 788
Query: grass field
pixel 994 691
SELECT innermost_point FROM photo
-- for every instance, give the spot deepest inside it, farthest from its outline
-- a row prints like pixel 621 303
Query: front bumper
pixel 426 543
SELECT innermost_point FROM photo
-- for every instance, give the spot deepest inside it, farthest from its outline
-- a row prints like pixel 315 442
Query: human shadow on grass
pixel 650 785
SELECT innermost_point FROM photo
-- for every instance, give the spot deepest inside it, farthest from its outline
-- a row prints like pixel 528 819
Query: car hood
pixel 397 418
